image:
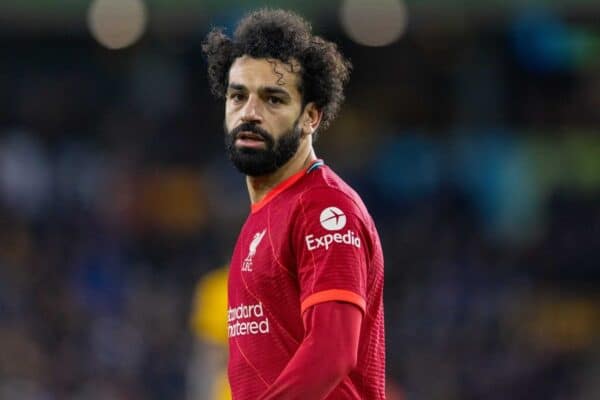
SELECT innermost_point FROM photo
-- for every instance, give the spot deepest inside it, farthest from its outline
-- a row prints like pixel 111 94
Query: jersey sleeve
pixel 331 245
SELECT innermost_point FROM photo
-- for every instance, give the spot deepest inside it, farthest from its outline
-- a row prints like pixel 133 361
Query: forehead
pixel 257 72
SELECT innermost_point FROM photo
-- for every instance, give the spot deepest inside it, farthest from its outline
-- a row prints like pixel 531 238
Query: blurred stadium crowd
pixel 476 146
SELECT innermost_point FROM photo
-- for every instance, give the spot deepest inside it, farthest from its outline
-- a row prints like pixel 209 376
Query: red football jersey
pixel 310 240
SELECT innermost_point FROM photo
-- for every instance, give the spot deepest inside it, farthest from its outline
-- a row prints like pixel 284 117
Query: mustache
pixel 250 127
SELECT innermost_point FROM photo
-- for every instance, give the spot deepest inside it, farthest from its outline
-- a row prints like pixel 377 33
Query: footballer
pixel 305 286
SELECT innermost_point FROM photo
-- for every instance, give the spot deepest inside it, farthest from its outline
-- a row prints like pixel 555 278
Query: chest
pixel 264 253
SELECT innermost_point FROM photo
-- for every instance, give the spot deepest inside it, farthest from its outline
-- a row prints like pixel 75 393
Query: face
pixel 263 115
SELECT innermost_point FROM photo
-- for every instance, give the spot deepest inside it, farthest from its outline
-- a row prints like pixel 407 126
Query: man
pixel 305 318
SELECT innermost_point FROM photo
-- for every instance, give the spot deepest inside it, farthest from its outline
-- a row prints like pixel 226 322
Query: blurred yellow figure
pixel 207 374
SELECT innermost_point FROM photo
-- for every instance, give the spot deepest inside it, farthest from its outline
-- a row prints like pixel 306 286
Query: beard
pixel 259 162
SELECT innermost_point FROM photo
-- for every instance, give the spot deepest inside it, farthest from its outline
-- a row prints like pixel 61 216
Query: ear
pixel 311 118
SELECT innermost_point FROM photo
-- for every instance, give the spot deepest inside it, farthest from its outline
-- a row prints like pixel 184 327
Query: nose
pixel 251 112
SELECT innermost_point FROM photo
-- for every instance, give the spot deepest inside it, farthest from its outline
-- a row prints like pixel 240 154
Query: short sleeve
pixel 331 240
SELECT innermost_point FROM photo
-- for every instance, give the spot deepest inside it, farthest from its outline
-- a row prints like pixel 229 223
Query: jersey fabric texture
pixel 309 241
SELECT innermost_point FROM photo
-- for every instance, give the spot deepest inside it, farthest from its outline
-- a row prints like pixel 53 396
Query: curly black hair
pixel 284 36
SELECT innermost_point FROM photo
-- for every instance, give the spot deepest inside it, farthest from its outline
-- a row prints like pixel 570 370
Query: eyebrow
pixel 275 90
pixel 265 89
pixel 237 86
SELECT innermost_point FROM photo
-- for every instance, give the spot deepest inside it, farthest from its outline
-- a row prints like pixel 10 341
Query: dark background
pixel 474 140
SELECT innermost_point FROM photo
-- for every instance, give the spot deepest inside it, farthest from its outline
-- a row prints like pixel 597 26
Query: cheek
pixel 229 118
pixel 284 122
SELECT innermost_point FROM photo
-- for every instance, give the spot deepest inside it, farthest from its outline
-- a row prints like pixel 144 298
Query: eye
pixel 274 100
pixel 236 97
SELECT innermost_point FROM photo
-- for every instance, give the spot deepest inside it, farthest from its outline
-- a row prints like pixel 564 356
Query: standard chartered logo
pixel 332 219
pixel 247 320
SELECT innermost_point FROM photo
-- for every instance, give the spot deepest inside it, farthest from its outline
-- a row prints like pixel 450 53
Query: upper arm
pixel 332 244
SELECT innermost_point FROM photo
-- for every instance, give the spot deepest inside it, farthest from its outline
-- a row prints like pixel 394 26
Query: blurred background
pixel 471 129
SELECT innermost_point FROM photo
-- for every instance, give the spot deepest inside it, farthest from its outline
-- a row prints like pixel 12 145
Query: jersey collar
pixel 286 184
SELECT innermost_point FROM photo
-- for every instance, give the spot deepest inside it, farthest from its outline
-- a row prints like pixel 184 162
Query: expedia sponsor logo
pixel 247 320
pixel 313 243
pixel 333 219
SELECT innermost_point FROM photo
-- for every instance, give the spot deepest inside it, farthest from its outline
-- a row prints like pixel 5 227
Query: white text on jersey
pixel 313 243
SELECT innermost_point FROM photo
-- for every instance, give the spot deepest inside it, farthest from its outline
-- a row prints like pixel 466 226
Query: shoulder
pixel 327 185
pixel 325 192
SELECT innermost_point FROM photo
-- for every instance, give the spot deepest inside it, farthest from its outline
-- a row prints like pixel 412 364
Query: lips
pixel 250 140
pixel 247 135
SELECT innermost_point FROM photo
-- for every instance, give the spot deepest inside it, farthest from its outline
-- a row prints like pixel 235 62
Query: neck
pixel 260 186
